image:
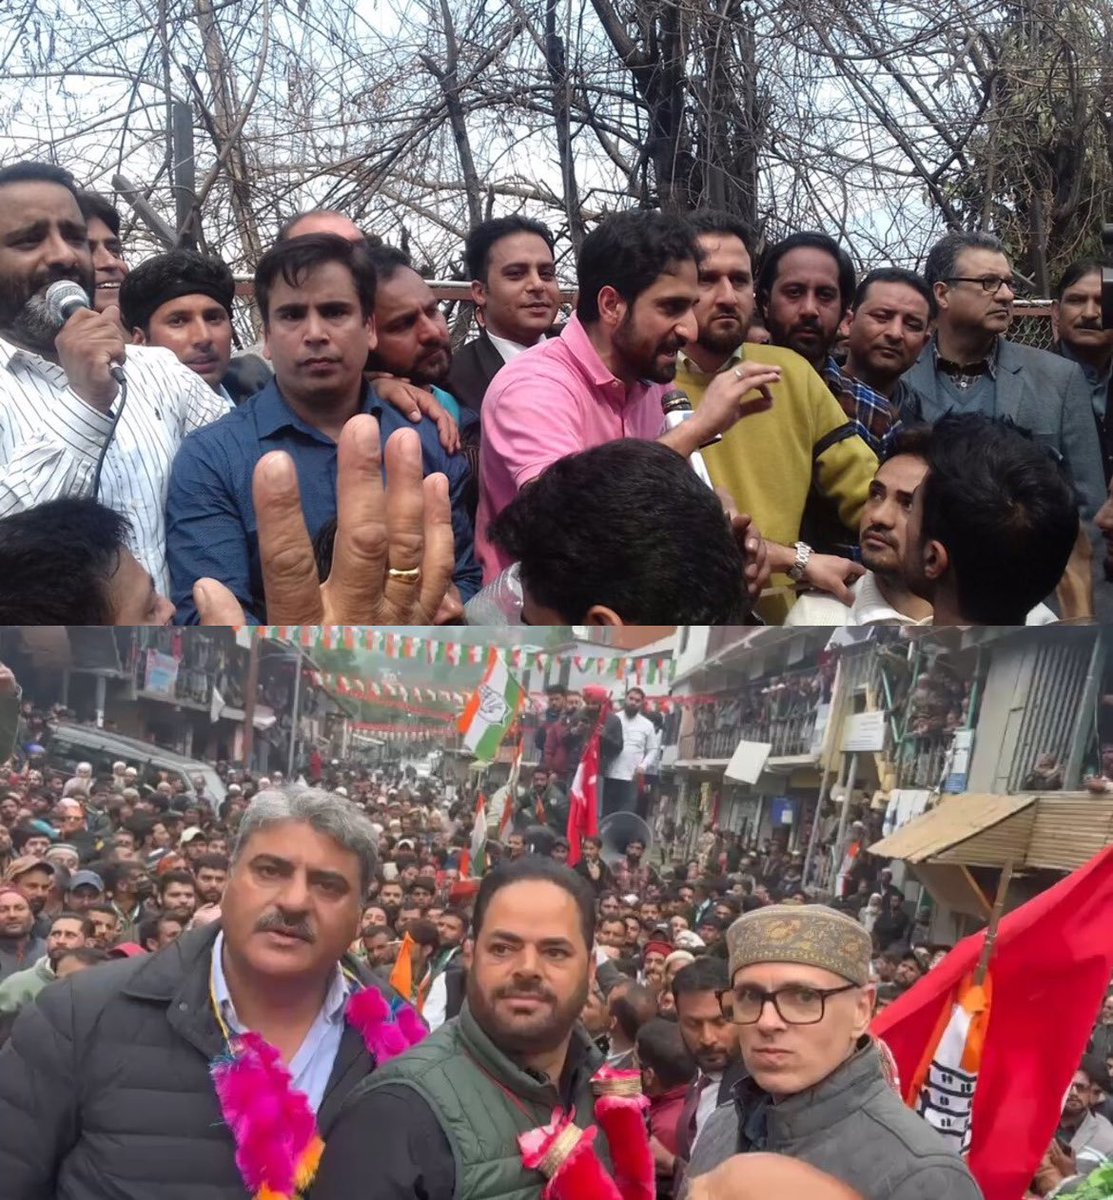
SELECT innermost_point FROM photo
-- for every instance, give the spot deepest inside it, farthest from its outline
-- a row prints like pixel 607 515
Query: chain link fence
pixel 1032 324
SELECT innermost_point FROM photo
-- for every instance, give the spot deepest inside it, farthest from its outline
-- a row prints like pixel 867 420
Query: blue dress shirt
pixel 311 1067
pixel 210 518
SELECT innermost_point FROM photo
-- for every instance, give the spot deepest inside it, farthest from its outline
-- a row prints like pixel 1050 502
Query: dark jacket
pixel 442 1121
pixel 851 1125
pixel 1040 392
pixel 105 1088
pixel 473 368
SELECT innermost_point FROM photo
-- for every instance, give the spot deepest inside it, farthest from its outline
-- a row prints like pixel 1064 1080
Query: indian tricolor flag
pixel 508 793
pixel 491 709
pixel 475 857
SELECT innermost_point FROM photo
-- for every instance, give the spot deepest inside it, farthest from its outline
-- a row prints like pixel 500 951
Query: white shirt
pixel 50 439
pixel 871 608
pixel 638 736
pixel 311 1067
pixel 508 349
pixel 708 1101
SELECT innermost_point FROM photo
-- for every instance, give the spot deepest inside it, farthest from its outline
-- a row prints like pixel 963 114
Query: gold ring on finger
pixel 410 576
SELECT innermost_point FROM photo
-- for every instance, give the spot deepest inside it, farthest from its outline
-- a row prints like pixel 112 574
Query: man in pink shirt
pixel 605 376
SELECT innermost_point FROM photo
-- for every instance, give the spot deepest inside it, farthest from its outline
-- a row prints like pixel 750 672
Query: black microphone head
pixel 676 401
pixel 64 298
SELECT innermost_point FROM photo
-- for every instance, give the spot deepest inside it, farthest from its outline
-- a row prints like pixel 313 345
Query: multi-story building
pixel 961 750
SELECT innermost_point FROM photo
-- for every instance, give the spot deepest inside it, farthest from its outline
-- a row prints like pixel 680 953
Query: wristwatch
pixel 800 565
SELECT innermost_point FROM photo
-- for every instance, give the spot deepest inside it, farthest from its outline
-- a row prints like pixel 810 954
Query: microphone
pixel 64 297
pixel 678 409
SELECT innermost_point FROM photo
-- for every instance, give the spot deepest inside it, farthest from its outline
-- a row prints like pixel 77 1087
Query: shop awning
pixel 748 761
pixel 971 829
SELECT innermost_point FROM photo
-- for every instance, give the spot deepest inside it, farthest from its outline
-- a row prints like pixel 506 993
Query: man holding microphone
pixel 67 427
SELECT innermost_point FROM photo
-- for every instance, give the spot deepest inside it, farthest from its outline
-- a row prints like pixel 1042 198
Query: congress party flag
pixel 989 1066
pixel 491 708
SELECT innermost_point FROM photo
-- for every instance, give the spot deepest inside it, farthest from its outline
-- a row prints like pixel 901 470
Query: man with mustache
pixel 413 341
pixel 316 295
pixel 1081 339
pixel 443 1121
pixel 971 366
pixel 606 375
pixel 770 464
pixel 147 1119
pixel 882 595
pixel 62 432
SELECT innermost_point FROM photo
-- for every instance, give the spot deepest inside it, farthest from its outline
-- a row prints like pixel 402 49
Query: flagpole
pixel 981 971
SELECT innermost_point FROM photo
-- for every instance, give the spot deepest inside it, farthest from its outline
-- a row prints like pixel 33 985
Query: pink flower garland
pixel 278 1146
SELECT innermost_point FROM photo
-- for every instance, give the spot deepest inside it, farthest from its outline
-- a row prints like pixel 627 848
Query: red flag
pixel 583 809
pixel 1049 971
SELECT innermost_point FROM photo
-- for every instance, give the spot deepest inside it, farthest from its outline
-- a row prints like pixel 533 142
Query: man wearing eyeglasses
pixel 971 366
pixel 801 1002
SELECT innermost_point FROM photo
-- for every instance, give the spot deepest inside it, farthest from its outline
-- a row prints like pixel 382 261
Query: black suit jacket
pixel 473 368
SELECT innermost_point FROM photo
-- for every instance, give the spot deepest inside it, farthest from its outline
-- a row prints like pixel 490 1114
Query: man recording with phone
pixel 67 425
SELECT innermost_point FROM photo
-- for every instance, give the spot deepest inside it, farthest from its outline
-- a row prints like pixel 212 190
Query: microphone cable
pixel 121 379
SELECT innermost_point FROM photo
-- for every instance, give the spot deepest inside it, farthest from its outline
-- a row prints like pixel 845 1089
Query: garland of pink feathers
pixel 278 1145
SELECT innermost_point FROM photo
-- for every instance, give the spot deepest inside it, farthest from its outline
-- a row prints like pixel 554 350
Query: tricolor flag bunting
pixel 491 709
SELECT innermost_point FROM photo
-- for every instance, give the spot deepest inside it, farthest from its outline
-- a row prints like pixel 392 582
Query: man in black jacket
pixel 104 1086
pixel 516 296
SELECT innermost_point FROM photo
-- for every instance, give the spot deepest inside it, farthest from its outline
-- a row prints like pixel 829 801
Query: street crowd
pixel 720 430
pixel 307 987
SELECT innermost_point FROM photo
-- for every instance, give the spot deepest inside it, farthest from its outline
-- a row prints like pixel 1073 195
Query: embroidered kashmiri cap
pixel 810 934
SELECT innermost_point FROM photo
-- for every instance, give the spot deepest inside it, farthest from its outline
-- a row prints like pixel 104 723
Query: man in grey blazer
pixel 969 366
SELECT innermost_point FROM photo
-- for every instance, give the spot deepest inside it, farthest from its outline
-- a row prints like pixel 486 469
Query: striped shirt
pixel 50 439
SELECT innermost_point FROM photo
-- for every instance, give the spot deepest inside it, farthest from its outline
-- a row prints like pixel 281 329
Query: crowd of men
pixel 145 925
pixel 877 444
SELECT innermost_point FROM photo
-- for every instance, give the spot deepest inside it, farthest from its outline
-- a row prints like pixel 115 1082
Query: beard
pixel 722 339
pixel 542 1033
pixel 432 368
pixel 642 357
pixel 23 311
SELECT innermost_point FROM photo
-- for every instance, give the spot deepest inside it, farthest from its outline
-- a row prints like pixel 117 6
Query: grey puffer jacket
pixel 851 1125
pixel 105 1091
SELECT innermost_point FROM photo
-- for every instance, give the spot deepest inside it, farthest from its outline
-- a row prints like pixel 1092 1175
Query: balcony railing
pixel 781 711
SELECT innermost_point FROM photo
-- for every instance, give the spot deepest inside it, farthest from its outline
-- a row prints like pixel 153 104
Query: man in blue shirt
pixel 316 295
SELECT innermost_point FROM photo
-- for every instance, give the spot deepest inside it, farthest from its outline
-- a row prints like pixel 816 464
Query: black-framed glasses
pixel 990 284
pixel 795 1005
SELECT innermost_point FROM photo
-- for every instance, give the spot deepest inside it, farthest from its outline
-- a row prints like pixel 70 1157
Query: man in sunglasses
pixel 801 1002
pixel 971 366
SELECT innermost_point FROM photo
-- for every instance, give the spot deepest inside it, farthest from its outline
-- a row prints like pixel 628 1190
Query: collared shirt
pixel 210 517
pixel 965 373
pixel 873 415
pixel 638 740
pixel 689 365
pixel 1101 382
pixel 556 398
pixel 508 349
pixel 311 1067
pixel 709 1082
pixel 871 608
pixel 50 439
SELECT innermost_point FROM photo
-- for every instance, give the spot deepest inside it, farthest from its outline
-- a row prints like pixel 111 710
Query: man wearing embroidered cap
pixel 214 1068
pixel 801 1002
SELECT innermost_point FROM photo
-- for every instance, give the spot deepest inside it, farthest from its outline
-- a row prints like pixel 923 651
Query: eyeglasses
pixel 795 1005
pixel 990 284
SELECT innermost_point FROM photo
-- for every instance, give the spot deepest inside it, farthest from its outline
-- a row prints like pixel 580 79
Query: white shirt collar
pixel 336 998
pixel 506 347
pixel 871 608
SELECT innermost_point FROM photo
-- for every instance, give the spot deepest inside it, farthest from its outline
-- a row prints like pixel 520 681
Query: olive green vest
pixel 483 1101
